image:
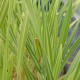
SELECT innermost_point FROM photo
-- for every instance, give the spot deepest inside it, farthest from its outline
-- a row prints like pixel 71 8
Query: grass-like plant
pixel 34 43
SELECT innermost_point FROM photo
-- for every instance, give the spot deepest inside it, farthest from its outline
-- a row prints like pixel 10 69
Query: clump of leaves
pixel 33 42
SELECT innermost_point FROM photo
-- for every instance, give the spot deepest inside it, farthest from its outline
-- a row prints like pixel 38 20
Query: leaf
pixel 72 70
pixel 68 55
pixel 48 68
pixel 21 44
pixel 27 71
pixel 58 64
pixel 32 54
pixel 3 10
pixel 65 26
pixel 71 37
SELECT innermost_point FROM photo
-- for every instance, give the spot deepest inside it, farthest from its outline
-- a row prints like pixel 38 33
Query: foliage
pixel 33 42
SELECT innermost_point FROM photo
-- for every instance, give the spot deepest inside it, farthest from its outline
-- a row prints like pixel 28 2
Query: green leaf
pixel 58 64
pixel 71 37
pixel 72 70
pixel 3 10
pixel 69 54
pixel 21 43
pixel 66 22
